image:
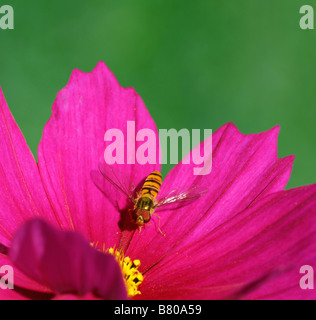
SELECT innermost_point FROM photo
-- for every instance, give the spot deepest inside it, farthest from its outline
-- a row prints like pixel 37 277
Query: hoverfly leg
pixel 159 224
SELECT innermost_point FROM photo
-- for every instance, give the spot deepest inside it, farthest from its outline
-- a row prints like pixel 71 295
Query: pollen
pixel 132 277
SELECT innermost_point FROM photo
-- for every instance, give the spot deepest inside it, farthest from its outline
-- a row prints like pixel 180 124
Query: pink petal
pixel 20 293
pixel 282 286
pixel 22 281
pixel 245 168
pixel 10 295
pixel 21 189
pixel 257 254
pixel 73 145
pixel 65 262
pixel 24 287
pixel 88 296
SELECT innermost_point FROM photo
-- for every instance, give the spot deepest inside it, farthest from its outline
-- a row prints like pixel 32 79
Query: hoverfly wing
pixel 118 179
pixel 113 183
pixel 182 196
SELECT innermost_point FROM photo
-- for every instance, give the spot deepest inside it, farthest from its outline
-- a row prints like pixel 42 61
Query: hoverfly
pixel 145 200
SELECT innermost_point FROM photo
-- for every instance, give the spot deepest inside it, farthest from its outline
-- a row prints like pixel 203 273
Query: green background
pixel 196 64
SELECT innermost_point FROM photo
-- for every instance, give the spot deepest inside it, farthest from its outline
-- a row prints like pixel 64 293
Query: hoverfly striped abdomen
pixel 145 204
pixel 152 185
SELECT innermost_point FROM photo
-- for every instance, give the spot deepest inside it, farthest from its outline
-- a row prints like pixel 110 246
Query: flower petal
pixel 21 189
pixel 256 254
pixel 65 262
pixel 73 145
pixel 22 281
pixel 74 297
pixel 245 168
pixel 11 295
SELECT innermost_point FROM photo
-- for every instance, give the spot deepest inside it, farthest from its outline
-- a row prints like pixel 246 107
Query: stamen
pixel 131 276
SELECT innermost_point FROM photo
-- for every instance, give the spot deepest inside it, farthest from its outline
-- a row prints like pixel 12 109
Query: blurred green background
pixel 196 64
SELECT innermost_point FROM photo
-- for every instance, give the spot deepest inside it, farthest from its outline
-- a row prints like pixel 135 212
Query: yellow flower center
pixel 132 277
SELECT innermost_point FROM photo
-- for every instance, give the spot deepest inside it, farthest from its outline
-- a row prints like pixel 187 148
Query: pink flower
pixel 245 239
